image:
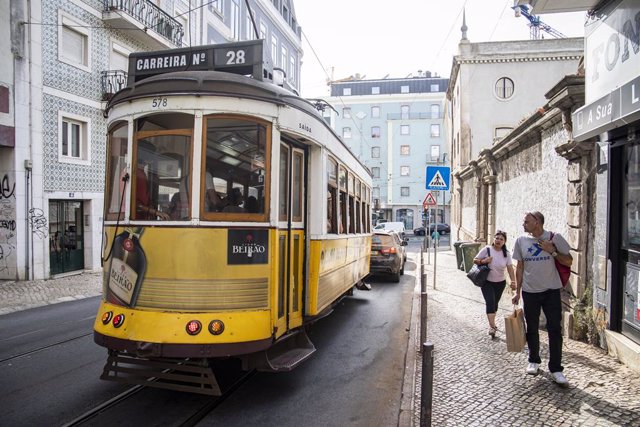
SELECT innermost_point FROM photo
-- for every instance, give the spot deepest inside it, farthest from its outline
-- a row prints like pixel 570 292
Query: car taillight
pixel 388 251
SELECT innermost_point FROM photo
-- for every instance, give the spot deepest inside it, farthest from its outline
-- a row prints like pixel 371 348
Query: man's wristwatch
pixel 554 254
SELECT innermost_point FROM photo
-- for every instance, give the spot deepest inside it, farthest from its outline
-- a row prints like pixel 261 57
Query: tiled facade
pixel 50 190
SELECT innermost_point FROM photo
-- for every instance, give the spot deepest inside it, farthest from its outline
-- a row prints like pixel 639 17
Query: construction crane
pixel 535 24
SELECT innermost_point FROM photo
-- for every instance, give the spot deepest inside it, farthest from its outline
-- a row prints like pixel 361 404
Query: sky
pixel 376 38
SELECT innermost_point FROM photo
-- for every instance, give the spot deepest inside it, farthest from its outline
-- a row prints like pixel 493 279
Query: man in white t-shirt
pixel 538 279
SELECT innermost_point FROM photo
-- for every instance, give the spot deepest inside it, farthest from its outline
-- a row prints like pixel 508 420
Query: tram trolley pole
pixel 426 395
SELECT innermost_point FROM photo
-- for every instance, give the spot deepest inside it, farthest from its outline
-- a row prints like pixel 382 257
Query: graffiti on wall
pixel 38 222
pixel 8 240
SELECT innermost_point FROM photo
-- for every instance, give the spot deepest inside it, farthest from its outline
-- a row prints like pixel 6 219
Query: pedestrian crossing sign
pixel 438 177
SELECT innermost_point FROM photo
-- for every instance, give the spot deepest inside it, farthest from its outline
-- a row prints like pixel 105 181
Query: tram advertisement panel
pixel 248 247
pixel 194 269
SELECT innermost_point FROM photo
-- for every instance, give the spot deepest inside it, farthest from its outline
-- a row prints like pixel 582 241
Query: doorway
pixel 66 240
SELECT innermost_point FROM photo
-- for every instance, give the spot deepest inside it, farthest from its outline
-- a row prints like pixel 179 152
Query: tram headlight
pixel 216 327
pixel 118 320
pixel 106 317
pixel 194 327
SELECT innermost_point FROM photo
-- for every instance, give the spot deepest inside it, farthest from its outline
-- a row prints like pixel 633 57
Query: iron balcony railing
pixel 414 116
pixel 151 16
pixel 112 81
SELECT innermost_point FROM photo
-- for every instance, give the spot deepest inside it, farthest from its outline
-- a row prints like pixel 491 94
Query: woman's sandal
pixel 492 331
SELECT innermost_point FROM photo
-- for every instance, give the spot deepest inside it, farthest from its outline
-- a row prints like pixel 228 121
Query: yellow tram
pixel 234 216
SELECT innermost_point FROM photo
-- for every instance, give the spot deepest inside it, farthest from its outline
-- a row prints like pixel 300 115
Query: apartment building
pixel 395 127
pixel 65 59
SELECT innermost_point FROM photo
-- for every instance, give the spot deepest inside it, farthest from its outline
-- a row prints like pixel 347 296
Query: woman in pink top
pixel 498 259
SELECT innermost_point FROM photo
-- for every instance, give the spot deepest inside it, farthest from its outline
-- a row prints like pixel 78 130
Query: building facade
pixel 395 127
pixel 68 58
pixel 493 87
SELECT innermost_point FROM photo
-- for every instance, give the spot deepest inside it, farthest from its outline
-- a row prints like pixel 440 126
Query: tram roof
pixel 216 83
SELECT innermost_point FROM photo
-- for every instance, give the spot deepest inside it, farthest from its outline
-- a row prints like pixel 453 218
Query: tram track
pixel 187 420
pixel 46 347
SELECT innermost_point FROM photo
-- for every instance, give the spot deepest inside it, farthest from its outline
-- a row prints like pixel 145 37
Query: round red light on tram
pixel 106 317
pixel 194 327
pixel 118 320
pixel 216 327
pixel 128 245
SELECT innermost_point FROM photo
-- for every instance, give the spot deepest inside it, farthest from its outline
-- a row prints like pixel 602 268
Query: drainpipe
pixel 29 194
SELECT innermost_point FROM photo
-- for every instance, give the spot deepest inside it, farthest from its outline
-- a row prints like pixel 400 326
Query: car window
pixel 380 239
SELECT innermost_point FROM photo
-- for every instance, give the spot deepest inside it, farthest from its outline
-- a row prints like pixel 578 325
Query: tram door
pixel 66 243
pixel 291 237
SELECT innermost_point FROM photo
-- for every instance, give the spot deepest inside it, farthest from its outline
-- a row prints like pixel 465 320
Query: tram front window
pixel 161 181
pixel 235 167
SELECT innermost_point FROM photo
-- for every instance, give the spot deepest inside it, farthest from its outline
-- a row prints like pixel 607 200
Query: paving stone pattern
pixel 478 383
pixel 16 296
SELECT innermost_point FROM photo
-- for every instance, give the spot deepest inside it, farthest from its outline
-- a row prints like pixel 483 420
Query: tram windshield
pixel 235 166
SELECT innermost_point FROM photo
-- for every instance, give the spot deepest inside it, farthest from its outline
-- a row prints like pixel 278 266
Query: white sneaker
pixel 532 369
pixel 559 378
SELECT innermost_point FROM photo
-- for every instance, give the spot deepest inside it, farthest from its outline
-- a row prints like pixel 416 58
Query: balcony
pixel 112 81
pixel 144 22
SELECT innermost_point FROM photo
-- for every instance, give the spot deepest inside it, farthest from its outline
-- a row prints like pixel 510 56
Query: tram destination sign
pixel 245 58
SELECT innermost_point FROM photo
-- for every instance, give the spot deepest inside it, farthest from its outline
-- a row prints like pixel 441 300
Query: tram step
pixel 288 353
pixel 194 376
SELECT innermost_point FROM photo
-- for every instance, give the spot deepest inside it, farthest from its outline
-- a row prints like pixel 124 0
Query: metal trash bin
pixel 469 251
pixel 456 247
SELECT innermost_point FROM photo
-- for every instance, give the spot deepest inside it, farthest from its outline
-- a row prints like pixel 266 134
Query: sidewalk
pixel 478 383
pixel 17 296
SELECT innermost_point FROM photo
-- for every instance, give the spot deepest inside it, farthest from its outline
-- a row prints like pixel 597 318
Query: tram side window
pixel 332 191
pixel 342 181
pixel 117 163
pixel 352 217
pixel 357 212
pixel 235 159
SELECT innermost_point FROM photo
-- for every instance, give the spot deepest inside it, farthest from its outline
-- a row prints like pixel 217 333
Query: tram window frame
pixel 112 196
pixel 261 170
pixel 297 188
pixel 332 194
pixel 357 214
pixel 156 209
pixel 342 185
pixel 351 205
pixel 283 189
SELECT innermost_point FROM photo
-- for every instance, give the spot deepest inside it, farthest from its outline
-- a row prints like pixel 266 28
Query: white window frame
pixel 292 69
pixel 435 153
pixel 346 113
pixel 375 172
pixel 263 30
pixel 118 48
pixel 274 50
pixel 217 6
pixel 284 56
pixel 73 24
pixel 377 110
pixel 234 21
pixel 405 112
pixel 375 90
pixel 435 87
pixel 376 132
pixel 85 138
pixel 405 130
pixel 375 152
pixel 434 130
pixel 405 150
pixel 405 171
pixel 183 18
pixel 346 91
pixel 435 111
pixel 405 192
pixel 346 133
pixel 248 30
pixel 404 89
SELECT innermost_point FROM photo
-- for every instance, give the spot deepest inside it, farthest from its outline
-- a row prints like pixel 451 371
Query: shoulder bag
pixel 478 273
pixel 563 270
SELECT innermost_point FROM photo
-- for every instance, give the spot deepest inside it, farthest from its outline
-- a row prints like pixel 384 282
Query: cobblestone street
pixel 478 383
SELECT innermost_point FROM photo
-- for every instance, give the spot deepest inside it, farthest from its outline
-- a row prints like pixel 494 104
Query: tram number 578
pixel 159 102
pixel 235 57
